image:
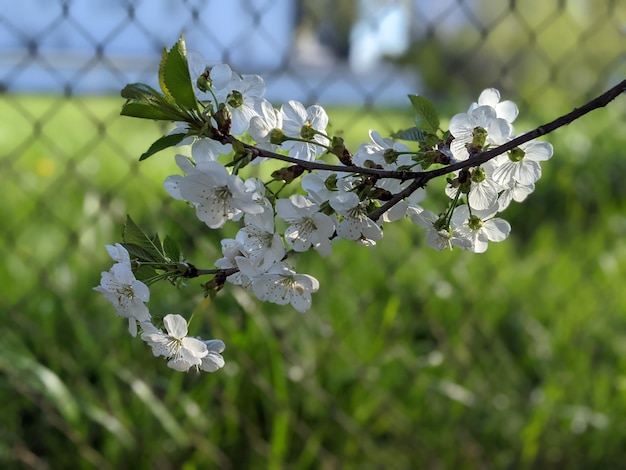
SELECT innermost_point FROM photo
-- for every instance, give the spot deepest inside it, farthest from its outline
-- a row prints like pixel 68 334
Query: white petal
pixel 175 325
pixel 496 230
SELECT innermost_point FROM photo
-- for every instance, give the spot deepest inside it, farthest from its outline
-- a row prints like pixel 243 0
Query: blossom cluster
pixel 229 125
pixel 488 188
pixel 129 297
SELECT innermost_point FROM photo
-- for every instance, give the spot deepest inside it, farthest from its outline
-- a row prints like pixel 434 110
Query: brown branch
pixel 316 165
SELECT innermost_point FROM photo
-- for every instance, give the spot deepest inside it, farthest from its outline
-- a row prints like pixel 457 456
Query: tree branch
pixel 420 179
pixel 316 165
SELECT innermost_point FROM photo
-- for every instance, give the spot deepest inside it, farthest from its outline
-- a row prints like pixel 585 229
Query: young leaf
pixel 171 249
pixel 427 118
pixel 133 235
pixel 174 77
pixel 143 101
pixel 146 274
pixel 412 134
pixel 162 143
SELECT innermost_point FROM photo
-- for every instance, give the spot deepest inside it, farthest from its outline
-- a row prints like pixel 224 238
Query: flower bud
pixel 204 82
pixel 339 149
pixel 223 119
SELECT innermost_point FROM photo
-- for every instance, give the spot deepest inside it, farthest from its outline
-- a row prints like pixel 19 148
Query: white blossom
pixel 438 238
pixel 480 227
pixel 282 285
pixel 213 361
pixel 261 127
pixel 182 351
pixel 355 224
pixel 506 110
pixel 295 117
pixel 128 295
pixel 216 194
pixel 522 163
pixel 463 126
pixel 308 227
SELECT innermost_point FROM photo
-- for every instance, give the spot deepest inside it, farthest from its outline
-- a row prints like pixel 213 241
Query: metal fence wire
pixel 63 62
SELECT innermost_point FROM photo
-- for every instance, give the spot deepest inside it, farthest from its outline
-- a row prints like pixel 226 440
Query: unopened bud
pixel 223 119
pixel 288 174
pixel 204 81
pixel 381 194
pixel 339 149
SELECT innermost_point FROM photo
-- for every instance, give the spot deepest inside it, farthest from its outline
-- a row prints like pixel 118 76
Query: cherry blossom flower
pixel 173 183
pixel 298 121
pixel 259 241
pixel 483 190
pixel 384 152
pixel 355 224
pixel 308 227
pixel 128 295
pixel 216 194
pixel 118 253
pixel 281 285
pixel 463 127
pixel 242 95
pixel 182 351
pixel 213 361
pixel 232 250
pixel 522 163
pixel 480 227
pixel 315 186
pixel 515 192
pixel 202 148
pixel 262 126
pixel 437 237
pixel 506 110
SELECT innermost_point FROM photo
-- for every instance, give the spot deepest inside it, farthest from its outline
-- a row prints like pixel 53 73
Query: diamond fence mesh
pixel 70 174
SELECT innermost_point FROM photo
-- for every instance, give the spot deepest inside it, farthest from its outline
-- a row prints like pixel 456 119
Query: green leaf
pixel 427 118
pixel 146 274
pixel 162 143
pixel 174 77
pixel 171 249
pixel 412 134
pixel 143 101
pixel 147 248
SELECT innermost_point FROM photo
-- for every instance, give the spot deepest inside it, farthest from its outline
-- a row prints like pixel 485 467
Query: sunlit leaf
pixel 174 77
pixel 427 118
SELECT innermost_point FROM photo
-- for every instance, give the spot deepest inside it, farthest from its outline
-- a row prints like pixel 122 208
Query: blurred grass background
pixel 409 358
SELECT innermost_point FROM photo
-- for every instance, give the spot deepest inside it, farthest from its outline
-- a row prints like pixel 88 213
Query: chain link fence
pixel 70 174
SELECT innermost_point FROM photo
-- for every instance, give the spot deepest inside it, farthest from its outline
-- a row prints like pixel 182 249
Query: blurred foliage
pixel 543 53
pixel 409 358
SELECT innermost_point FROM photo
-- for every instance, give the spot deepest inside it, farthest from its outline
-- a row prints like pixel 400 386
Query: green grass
pixel 408 359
